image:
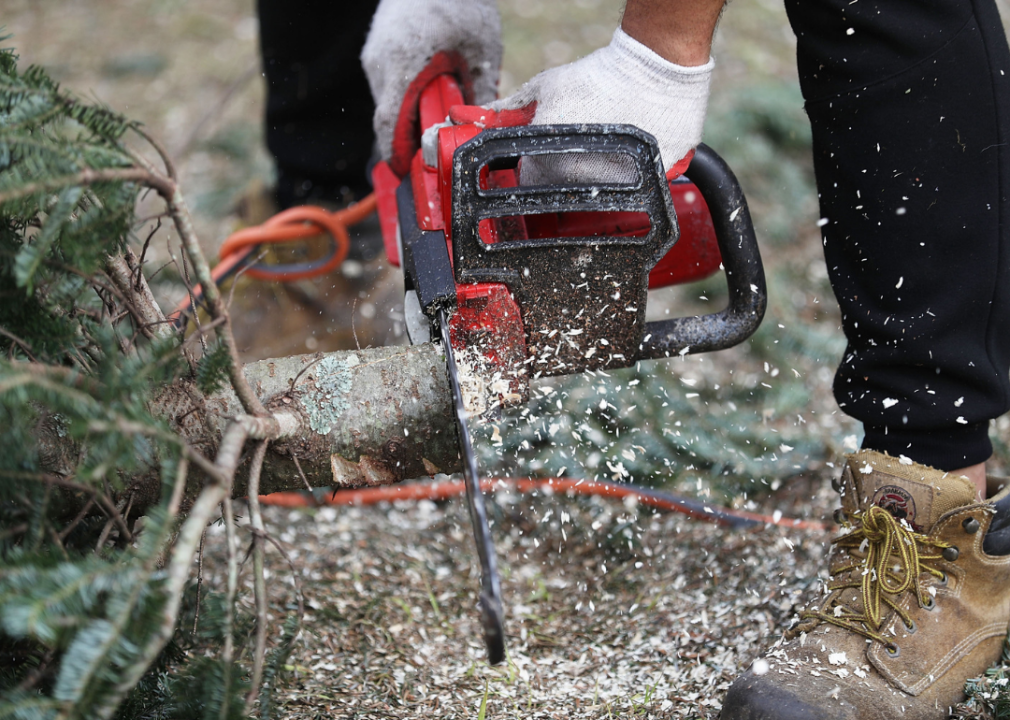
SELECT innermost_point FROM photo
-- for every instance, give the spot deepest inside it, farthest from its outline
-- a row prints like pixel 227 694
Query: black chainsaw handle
pixel 741 261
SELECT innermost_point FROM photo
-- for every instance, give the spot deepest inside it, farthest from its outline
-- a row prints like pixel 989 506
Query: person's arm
pixel 678 30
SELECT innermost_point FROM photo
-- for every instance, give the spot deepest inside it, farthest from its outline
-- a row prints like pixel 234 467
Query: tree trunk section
pixel 369 417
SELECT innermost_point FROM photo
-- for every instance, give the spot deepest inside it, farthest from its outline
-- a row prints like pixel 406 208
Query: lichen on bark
pixel 325 402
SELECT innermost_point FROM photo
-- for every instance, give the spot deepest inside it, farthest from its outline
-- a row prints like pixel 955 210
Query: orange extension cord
pixel 657 499
pixel 290 225
pixel 306 221
pixel 298 223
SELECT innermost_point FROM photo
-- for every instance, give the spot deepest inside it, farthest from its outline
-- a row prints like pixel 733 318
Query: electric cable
pixel 649 497
pixel 291 225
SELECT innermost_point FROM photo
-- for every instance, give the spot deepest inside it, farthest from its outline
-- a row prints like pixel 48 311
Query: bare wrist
pixel 680 32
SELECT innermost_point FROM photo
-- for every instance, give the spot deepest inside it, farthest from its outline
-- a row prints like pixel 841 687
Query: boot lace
pixel 886 558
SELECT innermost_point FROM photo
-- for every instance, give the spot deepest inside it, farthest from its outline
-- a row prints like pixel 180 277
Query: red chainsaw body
pixel 488 317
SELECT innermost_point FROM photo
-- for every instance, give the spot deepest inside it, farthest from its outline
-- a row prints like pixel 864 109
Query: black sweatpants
pixel 909 102
pixel 319 108
pixel 910 108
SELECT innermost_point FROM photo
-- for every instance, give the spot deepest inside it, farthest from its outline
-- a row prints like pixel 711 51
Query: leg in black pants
pixel 319 107
pixel 910 107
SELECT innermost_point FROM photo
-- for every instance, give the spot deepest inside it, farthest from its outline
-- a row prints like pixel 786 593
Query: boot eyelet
pixel 840 517
pixel 942 582
pixel 970 525
pixel 910 629
pixel 930 603
pixel 950 554
pixel 892 650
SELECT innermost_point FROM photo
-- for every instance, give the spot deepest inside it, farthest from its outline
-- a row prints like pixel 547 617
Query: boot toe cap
pixel 753 697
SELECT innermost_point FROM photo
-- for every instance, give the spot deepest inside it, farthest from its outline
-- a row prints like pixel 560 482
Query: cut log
pixel 368 417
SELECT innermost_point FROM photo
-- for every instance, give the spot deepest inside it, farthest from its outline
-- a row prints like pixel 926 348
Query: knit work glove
pixel 412 41
pixel 624 82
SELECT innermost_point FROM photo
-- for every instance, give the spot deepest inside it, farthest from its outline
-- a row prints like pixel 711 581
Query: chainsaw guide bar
pixel 491 619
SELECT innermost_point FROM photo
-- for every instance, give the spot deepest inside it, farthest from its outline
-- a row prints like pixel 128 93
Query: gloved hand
pixel 624 82
pixel 404 38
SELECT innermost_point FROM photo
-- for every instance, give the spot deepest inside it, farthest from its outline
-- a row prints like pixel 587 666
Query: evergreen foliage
pixel 274 667
pixel 988 696
pixel 212 370
pixel 85 589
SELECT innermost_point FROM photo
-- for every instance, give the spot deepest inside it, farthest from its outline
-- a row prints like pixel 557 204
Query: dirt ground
pixel 613 611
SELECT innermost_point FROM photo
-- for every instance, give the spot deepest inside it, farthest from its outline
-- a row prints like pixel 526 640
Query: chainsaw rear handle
pixel 745 278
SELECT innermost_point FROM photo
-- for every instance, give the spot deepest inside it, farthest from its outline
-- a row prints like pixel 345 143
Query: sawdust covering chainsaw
pixel 522 282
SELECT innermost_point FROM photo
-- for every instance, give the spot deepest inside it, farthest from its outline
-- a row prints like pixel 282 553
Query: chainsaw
pixel 521 282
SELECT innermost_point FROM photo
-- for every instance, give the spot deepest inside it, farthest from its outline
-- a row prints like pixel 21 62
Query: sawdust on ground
pixel 612 610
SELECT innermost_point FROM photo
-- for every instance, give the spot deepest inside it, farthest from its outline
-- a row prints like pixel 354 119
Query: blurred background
pixel 731 425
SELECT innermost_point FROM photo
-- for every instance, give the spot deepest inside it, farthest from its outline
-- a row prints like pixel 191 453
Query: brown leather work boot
pixel 918 601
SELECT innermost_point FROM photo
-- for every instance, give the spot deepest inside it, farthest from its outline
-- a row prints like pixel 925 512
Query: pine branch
pixel 95 496
pixel 139 300
pixel 68 188
pixel 179 212
pixel 87 177
pixel 231 554
pixel 184 226
pixel 21 343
